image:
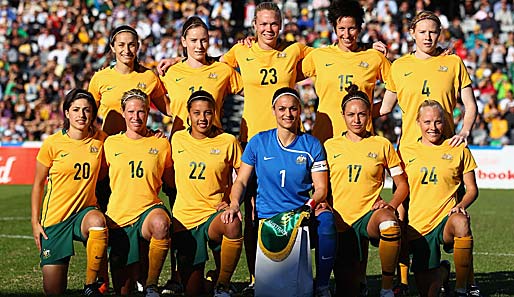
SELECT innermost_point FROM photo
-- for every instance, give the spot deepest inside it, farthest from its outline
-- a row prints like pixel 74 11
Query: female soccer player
pixel 71 159
pixel 337 66
pixel 109 84
pixel 357 161
pixel 203 158
pixel 435 170
pixel 288 165
pixel 138 162
pixel 198 72
pixel 428 73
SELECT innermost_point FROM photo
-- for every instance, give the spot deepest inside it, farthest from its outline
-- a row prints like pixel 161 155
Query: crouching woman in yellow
pixel 71 159
pixel 357 161
pixel 435 170
pixel 137 162
pixel 205 158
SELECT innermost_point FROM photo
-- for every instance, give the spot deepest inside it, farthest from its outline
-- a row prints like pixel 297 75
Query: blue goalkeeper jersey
pixel 283 173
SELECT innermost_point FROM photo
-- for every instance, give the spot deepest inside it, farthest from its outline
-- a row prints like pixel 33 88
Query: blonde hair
pixel 433 104
pixel 134 94
pixel 425 15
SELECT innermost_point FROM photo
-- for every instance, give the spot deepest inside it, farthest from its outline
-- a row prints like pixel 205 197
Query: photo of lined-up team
pixel 140 164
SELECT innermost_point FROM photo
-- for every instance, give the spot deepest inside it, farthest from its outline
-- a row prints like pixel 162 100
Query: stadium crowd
pixel 49 47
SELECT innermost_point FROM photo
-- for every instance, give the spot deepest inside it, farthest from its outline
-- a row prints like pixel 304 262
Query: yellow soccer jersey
pixel 135 172
pixel 335 70
pixel 107 87
pixel 181 80
pixel 263 72
pixel 74 166
pixel 357 173
pixel 203 174
pixel 435 174
pixel 414 80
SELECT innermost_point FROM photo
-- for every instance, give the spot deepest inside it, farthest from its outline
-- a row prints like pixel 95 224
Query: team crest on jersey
pixel 141 86
pixel 363 64
pixel 46 254
pixel 281 55
pixel 215 151
pixel 372 155
pixel 93 149
pixel 447 157
pixel 301 159
pixel 443 69
pixel 213 75
pixel 153 151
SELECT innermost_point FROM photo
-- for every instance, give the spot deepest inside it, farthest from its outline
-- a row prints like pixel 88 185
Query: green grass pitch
pixel 492 218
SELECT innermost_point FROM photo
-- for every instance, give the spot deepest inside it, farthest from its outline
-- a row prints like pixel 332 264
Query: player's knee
pixel 95 219
pixel 160 225
pixel 326 223
pixel 389 230
pixel 460 224
pixel 233 230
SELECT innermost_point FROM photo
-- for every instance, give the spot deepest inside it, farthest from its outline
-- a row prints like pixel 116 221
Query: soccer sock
pixel 404 273
pixel 471 275
pixel 230 253
pixel 462 255
pixel 96 251
pixel 389 249
pixel 326 249
pixel 156 257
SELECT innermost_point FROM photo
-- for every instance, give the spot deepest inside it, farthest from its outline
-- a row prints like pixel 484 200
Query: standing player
pixel 288 165
pixel 209 157
pixel 427 73
pixel 337 66
pixel 357 161
pixel 71 159
pixel 137 163
pixel 435 169
pixel 198 72
pixel 109 84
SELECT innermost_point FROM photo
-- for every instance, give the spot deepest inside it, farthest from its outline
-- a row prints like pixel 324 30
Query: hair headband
pixel 286 93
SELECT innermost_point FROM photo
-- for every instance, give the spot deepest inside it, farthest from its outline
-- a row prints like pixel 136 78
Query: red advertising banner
pixel 17 165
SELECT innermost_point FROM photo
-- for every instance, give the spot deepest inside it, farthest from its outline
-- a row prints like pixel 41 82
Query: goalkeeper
pixel 291 171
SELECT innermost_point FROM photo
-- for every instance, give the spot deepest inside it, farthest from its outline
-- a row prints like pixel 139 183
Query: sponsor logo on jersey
pixel 281 55
pixel 179 79
pixel 301 159
pixel 141 86
pixel 64 155
pixel 93 149
pixel 109 88
pixel 213 75
pixel 337 155
pixel 412 160
pixel 250 59
pixel 215 151
pixel 180 151
pixel 328 64
pixel 407 73
pixel 363 64
pixel 447 157
pixel 372 155
pixel 117 154
pixel 443 69
pixel 153 151
pixel 268 158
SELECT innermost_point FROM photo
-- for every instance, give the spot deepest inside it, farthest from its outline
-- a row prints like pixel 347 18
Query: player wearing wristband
pixel 289 165
pixel 357 161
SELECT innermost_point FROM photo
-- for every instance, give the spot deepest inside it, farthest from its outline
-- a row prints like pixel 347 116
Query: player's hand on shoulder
pixel 381 47
pixel 165 64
